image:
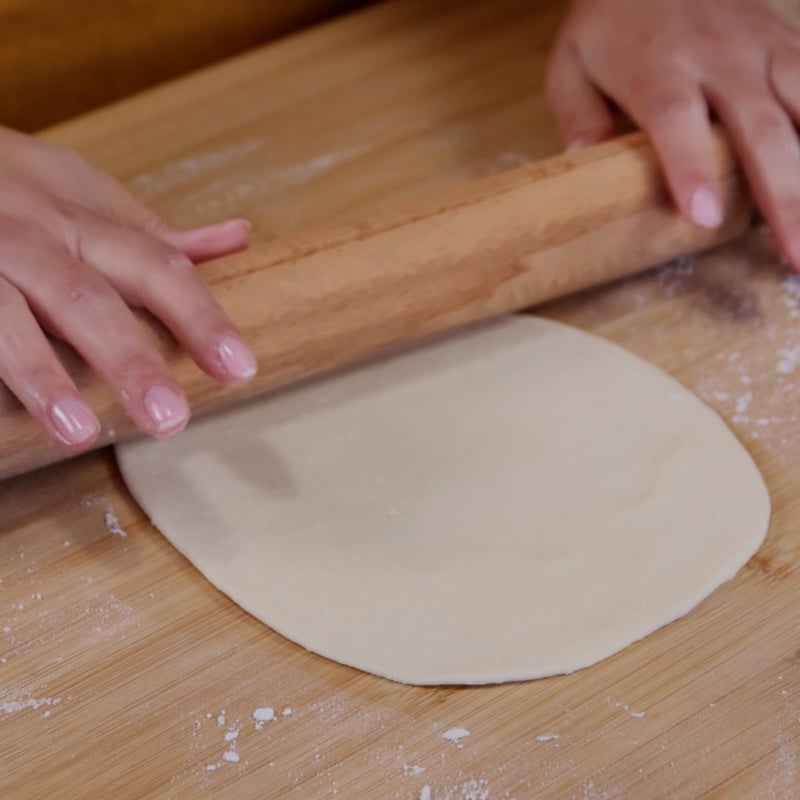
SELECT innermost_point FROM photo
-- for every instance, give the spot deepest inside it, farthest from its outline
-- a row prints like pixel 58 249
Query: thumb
pixel 582 114
pixel 210 241
pixel 202 243
pixel 198 244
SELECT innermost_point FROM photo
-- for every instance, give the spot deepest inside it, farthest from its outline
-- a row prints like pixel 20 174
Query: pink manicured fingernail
pixel 578 143
pixel 236 358
pixel 705 209
pixel 74 421
pixel 166 408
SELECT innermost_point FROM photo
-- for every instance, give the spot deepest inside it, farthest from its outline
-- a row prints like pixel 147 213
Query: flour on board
pixel 626 708
pixel 112 524
pixel 14 706
pixel 263 715
pixel 455 734
pixel 789 360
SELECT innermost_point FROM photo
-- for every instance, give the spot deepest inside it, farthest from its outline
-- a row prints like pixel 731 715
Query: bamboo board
pixel 122 671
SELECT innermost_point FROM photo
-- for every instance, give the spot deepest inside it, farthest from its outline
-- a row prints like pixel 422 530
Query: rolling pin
pixel 330 295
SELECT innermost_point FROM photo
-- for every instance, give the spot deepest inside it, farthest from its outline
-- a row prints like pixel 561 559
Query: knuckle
pixel 175 260
pixel 40 377
pixel 160 266
pixel 79 287
pixel 81 292
pixel 138 367
pixel 157 256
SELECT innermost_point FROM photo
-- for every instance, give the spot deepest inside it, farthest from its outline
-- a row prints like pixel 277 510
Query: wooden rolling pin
pixel 327 296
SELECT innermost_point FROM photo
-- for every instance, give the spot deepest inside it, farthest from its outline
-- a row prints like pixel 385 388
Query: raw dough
pixel 514 501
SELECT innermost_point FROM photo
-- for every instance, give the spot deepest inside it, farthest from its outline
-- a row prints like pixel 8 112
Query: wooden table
pixel 124 674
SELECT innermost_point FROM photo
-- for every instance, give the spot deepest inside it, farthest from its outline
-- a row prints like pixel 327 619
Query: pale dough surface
pixel 514 501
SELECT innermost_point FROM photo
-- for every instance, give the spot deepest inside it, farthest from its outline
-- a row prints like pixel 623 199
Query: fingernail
pixel 166 408
pixel 578 143
pixel 236 358
pixel 705 209
pixel 74 421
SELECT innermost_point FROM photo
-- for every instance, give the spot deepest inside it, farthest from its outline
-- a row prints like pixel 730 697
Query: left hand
pixel 669 64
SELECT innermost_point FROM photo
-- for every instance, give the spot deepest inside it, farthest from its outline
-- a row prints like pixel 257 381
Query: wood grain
pixel 143 655
pixel 331 294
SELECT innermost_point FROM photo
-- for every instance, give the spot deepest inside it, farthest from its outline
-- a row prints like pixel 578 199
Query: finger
pixel 199 244
pixel 784 76
pixel 76 303
pixel 210 241
pixel 766 142
pixel 673 112
pixel 582 114
pixel 150 273
pixel 30 369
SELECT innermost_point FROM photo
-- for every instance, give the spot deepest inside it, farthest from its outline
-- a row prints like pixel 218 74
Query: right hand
pixel 76 252
pixel 674 65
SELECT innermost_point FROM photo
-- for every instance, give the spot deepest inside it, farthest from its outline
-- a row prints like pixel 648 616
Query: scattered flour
pixel 474 790
pixel 287 712
pixel 743 402
pixel 150 185
pixel 455 734
pixel 14 706
pixel 231 739
pixel 791 295
pixel 112 524
pixel 789 360
pixel 626 708
pixel 263 715
pixel 547 737
pixel 92 500
pixel 413 769
pixel 425 792
pixel 232 734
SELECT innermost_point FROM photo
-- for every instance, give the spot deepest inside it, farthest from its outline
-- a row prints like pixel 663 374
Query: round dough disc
pixel 514 501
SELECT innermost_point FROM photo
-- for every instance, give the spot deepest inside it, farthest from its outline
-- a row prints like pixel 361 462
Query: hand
pixel 76 251
pixel 669 63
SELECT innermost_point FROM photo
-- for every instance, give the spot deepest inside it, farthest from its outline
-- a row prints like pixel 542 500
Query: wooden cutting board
pixel 124 674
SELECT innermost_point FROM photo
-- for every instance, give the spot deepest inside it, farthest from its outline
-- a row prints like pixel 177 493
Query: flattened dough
pixel 514 501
